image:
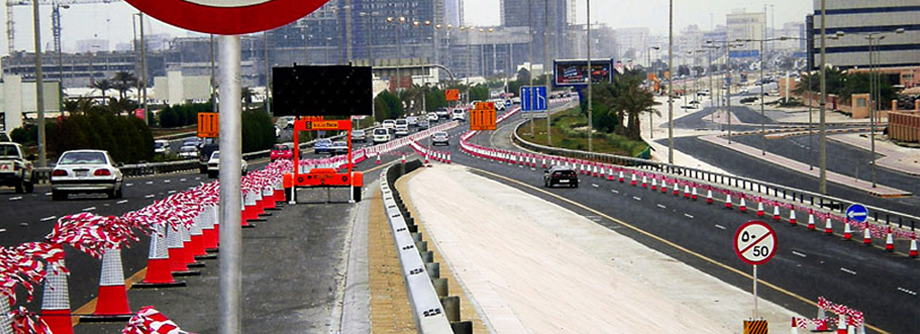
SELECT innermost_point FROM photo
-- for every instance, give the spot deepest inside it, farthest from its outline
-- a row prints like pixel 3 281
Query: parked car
pixel 560 175
pixel 402 131
pixel 188 152
pixel 322 146
pixel 282 151
pixel 359 136
pixel 381 135
pixel 440 138
pixel 214 165
pixel 160 146
pixel 85 171
pixel 15 168
pixel 338 147
pixel 432 117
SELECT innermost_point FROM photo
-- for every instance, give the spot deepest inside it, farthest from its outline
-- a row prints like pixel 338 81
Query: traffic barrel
pixel 742 207
pixel 913 246
pixel 792 220
pixel 56 303
pixel 828 228
pixel 776 213
pixel 889 241
pixel 811 222
pixel 760 209
pixel 728 201
pixel 847 231
pixel 112 300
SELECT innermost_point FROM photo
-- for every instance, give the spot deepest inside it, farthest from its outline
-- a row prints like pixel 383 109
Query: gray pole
pixel 230 160
pixel 822 103
pixel 728 91
pixel 670 81
pixel 469 61
pixel 590 83
pixel 399 59
pixel 268 76
pixel 213 86
pixel 530 60
pixel 811 160
pixel 651 129
pixel 143 91
pixel 875 85
pixel 39 86
pixel 763 129
pixel 547 70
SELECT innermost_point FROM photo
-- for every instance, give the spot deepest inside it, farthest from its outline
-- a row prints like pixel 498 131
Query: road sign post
pixel 534 102
pixel 208 125
pixel 482 116
pixel 755 244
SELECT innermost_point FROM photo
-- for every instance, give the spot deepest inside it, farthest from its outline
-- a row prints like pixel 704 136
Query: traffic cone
pixel 610 174
pixel 158 273
pixel 268 199
pixel 448 158
pixel 544 162
pixel 196 234
pixel 842 324
pixel 279 191
pixel 622 179
pixel 633 180
pixel 847 231
pixel 795 327
pixel 811 222
pixel 112 300
pixel 686 192
pixel 403 159
pixel 709 196
pixel 867 236
pixel 6 324
pixel 676 189
pixel 594 171
pixel 426 159
pixel 378 158
pixel 644 182
pixel 776 213
pixel 913 246
pixel 792 220
pixel 654 185
pixel 177 263
pixel 664 186
pixel 693 194
pixel 56 303
pixel 742 207
pixel 210 230
pixel 188 251
pixel 828 229
pixel 889 241
pixel 728 201
pixel 759 209
pixel 821 321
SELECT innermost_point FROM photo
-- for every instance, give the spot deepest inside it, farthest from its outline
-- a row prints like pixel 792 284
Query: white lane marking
pixel 198 178
pixel 595 185
pixel 909 292
pixel 15 198
pixel 614 191
pixel 183 180
pixel 802 255
pixel 662 206
pixel 720 227
pixel 167 181
pixel 688 216
pixel 129 184
pixel 122 201
pixel 848 271
pixel 150 196
pixel 637 198
pixel 2 230
pixel 148 182
pixel 171 192
pixel 89 209
pixel 49 218
pixel 47 194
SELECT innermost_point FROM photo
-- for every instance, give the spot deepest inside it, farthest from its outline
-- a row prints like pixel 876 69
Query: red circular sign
pixel 227 17
pixel 755 242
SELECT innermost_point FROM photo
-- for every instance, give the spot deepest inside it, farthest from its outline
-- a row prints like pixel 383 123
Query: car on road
pixel 188 152
pixel 338 147
pixel 457 115
pixel 389 124
pixel 15 168
pixel 322 145
pixel 4 137
pixel 359 136
pixel 442 112
pixel 440 138
pixel 160 146
pixel 401 131
pixel 749 99
pixel 402 122
pixel 286 122
pixel 381 135
pixel 214 165
pixel 282 151
pixel 560 175
pixel 412 120
pixel 85 171
pixel 423 124
pixel 204 153
pixel 433 117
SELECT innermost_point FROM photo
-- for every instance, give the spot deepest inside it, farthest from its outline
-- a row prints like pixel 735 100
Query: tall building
pixel 856 19
pixel 633 43
pixel 515 13
pixel 453 12
pixel 743 25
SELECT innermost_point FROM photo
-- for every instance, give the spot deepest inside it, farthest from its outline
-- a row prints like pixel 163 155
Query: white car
pixel 402 131
pixel 160 146
pixel 442 112
pixel 214 165
pixel 389 124
pixel 412 120
pixel 188 152
pixel 432 117
pixel 381 135
pixel 85 171
pixel 457 115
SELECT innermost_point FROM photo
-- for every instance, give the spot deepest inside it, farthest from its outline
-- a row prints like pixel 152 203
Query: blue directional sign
pixel 533 98
pixel 857 213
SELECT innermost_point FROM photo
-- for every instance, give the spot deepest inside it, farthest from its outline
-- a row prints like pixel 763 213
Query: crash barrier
pixel 691 182
pixel 150 321
pixel 433 310
pixel 790 197
pixel 183 228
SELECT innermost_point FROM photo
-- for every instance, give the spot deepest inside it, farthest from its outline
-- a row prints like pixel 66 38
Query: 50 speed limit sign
pixel 755 242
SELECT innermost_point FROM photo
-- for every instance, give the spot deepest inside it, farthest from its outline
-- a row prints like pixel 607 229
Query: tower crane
pixel 56 6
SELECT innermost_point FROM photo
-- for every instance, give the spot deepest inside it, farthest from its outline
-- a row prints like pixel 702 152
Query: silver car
pixel 86 171
pixel 440 138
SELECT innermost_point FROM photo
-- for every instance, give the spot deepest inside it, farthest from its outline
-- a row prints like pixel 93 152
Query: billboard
pixel 574 72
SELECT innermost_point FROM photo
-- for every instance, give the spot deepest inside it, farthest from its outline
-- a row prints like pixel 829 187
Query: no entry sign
pixel 227 17
pixel 755 242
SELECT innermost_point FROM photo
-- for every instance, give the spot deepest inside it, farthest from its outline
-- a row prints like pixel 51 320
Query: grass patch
pixel 569 130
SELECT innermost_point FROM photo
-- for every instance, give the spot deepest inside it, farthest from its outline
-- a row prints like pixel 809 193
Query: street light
pixel 763 137
pixel 651 129
pixel 712 92
pixel 399 21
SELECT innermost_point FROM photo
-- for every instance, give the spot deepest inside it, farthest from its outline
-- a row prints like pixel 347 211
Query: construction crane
pixel 56 6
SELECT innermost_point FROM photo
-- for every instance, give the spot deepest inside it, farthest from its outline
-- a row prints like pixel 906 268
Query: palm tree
pixel 103 85
pixel 633 101
pixel 123 82
pixel 246 95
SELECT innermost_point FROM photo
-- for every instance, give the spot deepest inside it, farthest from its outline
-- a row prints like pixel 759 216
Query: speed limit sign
pixel 755 242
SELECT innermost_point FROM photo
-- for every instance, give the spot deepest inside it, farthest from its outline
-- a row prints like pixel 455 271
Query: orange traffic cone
pixel 742 207
pixel 759 209
pixel 828 229
pixel 792 217
pixel 867 236
pixel 889 241
pixel 728 201
pixel 913 246
pixel 112 301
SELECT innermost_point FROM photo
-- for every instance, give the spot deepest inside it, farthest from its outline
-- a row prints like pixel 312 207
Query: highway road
pixel 808 264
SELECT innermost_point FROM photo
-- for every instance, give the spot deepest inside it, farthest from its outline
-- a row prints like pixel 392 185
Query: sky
pixel 114 21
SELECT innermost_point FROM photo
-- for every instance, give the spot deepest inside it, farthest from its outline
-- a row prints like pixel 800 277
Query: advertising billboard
pixel 573 72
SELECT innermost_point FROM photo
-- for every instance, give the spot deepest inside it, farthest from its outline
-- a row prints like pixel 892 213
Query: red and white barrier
pixel 150 321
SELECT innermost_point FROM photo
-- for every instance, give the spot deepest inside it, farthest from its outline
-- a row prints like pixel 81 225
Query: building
pixel 690 52
pixel 633 43
pixel 453 12
pixel 603 46
pixel 18 100
pixel 515 13
pixel 857 19
pixel 746 26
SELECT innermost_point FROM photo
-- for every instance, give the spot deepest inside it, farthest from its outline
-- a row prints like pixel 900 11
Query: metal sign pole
pixel 755 292
pixel 230 161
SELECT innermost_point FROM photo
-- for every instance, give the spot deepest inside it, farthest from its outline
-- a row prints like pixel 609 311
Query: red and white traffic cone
pixel 776 213
pixel 654 184
pixel 842 324
pixel 622 179
pixel 268 199
pixel 742 207
pixel 6 324
pixel 913 246
pixel 544 162
pixel 378 158
pixel 158 273
pixel 686 192
pixel 610 174
pixel 56 303
pixel 792 220
pixel 112 301
pixel 795 327
pixel 759 209
pixel 847 231
pixel 644 182
pixel 189 251
pixel 867 236
pixel 664 186
pixel 676 189
pixel 728 201
pixel 633 180
pixel 448 158
pixel 594 171
pixel 403 159
pixel 828 228
pixel 177 259
pixel 210 230
pixel 889 241
pixel 709 196
pixel 811 222
pixel 693 194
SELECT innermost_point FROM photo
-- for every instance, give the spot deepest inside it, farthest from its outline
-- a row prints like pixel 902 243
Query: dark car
pixel 204 153
pixel 560 175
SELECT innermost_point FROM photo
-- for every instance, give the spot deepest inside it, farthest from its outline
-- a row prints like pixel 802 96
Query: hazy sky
pixel 114 21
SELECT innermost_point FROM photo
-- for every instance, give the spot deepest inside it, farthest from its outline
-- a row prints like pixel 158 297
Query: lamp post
pixel 651 128
pixel 712 94
pixel 590 83
pixel 822 102
pixel 763 138
pixel 670 81
pixel 39 85
pixel 399 21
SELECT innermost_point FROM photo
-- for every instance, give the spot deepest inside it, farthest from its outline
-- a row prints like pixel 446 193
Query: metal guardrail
pixel 830 203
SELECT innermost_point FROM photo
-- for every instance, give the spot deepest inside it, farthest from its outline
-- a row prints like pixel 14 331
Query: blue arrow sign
pixel 857 213
pixel 533 98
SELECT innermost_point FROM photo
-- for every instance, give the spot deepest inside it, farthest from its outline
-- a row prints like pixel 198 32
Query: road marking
pixel 122 201
pixel 595 185
pixel 720 227
pixel 198 178
pixel 614 191
pixel 150 196
pixel 129 184
pixel 688 216
pixel 167 181
pixel 47 194
pixel 89 209
pixel 148 182
pixel 2 230
pixel 912 293
pixel 171 192
pixel 15 198
pixel 848 271
pixel 802 255
pixel 637 198
pixel 183 180
pixel 49 218
pixel 662 206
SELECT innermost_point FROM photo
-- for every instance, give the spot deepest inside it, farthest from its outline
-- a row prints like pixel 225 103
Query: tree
pixel 258 131
pixel 389 106
pixel 123 82
pixel 103 85
pixel 246 95
pixel 633 100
